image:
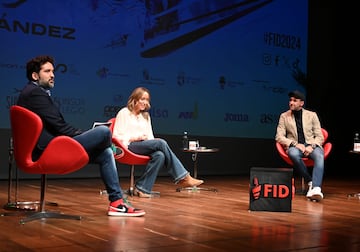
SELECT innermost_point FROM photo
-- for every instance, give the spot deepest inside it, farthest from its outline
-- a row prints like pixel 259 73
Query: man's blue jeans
pixel 318 170
pixel 161 156
pixel 97 143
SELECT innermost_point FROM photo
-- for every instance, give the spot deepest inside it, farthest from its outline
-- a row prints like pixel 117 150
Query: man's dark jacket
pixel 36 99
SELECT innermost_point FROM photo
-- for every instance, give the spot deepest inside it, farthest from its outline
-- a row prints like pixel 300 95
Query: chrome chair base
pixel 26 205
pixel 195 188
pixel 46 215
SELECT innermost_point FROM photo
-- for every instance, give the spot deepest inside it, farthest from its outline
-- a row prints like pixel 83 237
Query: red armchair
pixel 128 158
pixel 308 162
pixel 63 155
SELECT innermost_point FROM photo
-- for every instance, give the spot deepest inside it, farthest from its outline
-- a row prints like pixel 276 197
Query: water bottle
pixel 185 141
pixel 357 142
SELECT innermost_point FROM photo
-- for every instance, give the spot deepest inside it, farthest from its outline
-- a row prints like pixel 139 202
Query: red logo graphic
pixel 269 190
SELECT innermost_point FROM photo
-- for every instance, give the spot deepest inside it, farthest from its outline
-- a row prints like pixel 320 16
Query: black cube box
pixel 271 189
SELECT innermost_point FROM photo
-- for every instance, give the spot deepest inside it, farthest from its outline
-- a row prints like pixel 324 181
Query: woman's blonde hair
pixel 135 96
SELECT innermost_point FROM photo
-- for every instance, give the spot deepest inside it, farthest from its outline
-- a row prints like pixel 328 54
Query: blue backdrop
pixel 214 67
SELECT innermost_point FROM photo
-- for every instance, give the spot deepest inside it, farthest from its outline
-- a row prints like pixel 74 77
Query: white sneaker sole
pixel 126 214
pixel 316 198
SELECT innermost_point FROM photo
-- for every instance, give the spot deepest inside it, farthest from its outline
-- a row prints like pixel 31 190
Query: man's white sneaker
pixel 310 188
pixel 315 194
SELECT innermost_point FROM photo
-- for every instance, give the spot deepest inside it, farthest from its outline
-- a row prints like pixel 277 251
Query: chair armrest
pixel 130 157
pixel 63 155
pixel 327 149
pixel 283 153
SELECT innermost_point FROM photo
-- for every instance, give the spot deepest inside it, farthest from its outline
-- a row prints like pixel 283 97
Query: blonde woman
pixel 134 129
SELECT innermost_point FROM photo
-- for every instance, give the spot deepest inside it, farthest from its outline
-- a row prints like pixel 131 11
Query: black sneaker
pixel 123 208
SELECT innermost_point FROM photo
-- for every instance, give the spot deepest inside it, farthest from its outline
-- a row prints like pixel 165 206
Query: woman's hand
pixel 139 138
pixel 143 137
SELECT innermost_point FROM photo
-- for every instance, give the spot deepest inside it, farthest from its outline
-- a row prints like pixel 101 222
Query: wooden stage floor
pixel 183 221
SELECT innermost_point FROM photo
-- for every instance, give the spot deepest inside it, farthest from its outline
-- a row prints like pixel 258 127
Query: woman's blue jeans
pixel 161 156
pixel 318 170
pixel 97 143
